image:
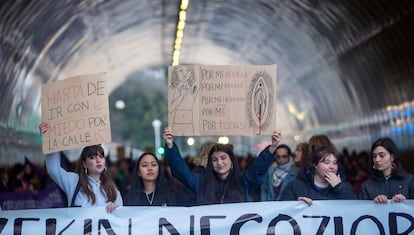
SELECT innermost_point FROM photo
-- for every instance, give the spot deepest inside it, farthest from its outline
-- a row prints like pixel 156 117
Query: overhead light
pixel 181 25
pixel 182 17
pixel 184 4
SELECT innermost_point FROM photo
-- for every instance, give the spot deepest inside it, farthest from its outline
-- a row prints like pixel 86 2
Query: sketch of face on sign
pixel 185 88
pixel 259 103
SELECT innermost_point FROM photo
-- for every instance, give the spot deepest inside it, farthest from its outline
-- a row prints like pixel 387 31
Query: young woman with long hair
pixel 389 180
pixel 222 181
pixel 91 185
pixel 149 186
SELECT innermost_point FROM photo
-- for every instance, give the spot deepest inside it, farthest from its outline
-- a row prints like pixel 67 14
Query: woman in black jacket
pixel 320 181
pixel 149 186
pixel 222 180
pixel 389 180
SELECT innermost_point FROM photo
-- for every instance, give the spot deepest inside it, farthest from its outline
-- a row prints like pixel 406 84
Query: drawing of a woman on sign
pixel 184 87
pixel 260 98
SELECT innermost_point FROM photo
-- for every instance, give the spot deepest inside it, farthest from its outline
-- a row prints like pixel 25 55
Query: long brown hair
pixel 233 190
pixel 317 141
pixel 391 147
pixel 108 187
pixel 306 154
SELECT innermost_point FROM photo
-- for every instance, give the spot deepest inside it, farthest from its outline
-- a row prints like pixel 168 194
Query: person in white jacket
pixel 91 185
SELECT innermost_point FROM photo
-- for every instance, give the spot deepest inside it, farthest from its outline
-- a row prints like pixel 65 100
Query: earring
pixel 373 167
pixel 86 171
pixel 105 169
pixel 393 165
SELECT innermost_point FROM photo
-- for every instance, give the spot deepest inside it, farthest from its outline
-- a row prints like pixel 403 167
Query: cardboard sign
pixel 222 99
pixel 77 112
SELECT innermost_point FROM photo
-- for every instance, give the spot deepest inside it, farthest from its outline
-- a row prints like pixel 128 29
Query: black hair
pixel 134 196
pixel 213 191
pixel 284 146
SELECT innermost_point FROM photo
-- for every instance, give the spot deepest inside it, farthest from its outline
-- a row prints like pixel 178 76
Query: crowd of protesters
pixel 319 173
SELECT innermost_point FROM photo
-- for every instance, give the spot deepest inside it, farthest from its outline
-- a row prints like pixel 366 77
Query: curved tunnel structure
pixel 345 68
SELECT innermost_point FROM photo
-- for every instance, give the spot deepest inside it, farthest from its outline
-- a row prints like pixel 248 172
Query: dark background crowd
pixel 27 185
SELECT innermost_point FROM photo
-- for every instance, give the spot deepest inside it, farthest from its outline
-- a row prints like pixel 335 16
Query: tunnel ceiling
pixel 341 64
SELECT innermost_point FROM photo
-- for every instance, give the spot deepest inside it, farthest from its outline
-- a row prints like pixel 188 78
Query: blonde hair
pixel 202 154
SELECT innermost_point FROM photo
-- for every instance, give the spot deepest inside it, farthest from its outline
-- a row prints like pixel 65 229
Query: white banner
pixel 323 217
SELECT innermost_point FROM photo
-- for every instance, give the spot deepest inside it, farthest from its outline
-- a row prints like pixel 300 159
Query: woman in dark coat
pixel 222 181
pixel 321 180
pixel 389 180
pixel 149 186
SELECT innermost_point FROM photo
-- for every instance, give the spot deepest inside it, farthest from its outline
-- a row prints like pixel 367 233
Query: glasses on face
pixel 282 156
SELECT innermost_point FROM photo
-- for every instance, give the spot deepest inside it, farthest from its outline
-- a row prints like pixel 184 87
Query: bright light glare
pixel 223 140
pixel 120 104
pixel 190 141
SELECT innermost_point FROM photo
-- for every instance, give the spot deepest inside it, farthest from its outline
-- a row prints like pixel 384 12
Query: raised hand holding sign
pixel 77 112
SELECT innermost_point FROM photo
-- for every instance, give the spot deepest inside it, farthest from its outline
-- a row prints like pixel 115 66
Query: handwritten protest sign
pixel 77 112
pixel 222 99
